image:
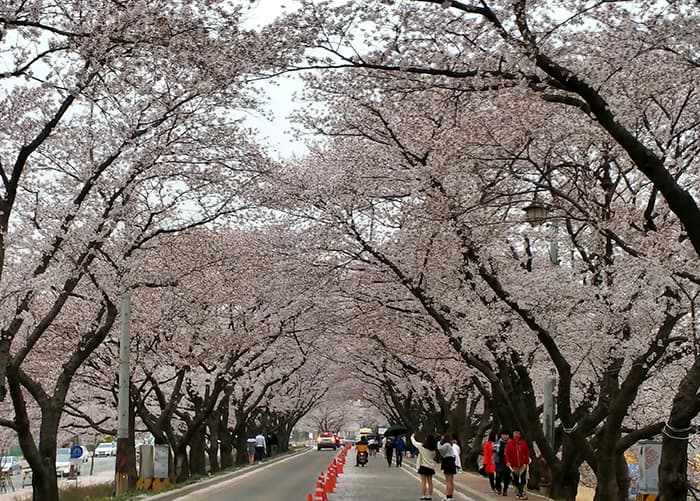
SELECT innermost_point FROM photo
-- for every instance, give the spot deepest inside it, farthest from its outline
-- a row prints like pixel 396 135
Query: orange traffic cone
pixel 330 482
pixel 319 495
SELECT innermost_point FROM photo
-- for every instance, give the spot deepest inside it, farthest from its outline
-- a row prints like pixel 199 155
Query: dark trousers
pixel 259 453
pixel 389 454
pixel 492 481
pixel 519 481
pixel 502 480
pixel 399 458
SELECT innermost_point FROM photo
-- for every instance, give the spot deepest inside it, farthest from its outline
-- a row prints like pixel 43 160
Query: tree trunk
pixel 623 477
pixel 197 452
pixel 607 485
pixel 226 450
pixel 182 465
pixel 241 447
pixel 213 448
pixel 44 481
pixel 131 457
pixel 565 475
pixel 286 433
pixel 225 433
pixel 673 470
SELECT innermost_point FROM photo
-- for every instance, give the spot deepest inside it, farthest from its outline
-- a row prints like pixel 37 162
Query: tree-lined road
pixel 291 479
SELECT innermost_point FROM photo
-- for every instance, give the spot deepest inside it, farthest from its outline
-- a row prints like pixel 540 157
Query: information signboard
pixel 650 458
pixel 160 461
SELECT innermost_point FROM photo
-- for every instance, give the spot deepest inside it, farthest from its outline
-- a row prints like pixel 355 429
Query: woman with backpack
pixel 425 463
pixel 489 465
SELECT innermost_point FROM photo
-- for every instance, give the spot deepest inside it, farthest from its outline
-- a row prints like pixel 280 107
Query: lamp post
pixel 121 478
pixel 536 214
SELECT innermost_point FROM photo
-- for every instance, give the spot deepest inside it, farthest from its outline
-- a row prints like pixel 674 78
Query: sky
pixel 276 131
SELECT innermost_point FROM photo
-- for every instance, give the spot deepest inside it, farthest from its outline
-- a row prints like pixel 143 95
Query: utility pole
pixel 121 479
pixel 548 410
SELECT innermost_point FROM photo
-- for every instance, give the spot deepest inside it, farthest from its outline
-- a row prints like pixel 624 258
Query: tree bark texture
pixel 673 470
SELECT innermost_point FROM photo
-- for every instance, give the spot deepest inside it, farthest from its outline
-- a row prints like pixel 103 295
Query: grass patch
pixel 93 492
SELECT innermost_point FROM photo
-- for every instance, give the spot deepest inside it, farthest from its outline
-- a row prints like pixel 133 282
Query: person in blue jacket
pixel 399 448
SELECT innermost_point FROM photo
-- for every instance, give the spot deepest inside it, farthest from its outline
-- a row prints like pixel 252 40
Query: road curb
pixel 176 493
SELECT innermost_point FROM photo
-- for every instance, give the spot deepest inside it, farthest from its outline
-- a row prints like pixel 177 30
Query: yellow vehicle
pixel 365 432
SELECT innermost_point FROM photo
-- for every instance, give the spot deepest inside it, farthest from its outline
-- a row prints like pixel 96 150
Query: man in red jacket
pixel 517 459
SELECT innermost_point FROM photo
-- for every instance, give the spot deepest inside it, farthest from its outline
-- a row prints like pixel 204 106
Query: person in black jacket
pixel 499 457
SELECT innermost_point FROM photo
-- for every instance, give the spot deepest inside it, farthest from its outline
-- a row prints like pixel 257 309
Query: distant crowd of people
pixel 505 460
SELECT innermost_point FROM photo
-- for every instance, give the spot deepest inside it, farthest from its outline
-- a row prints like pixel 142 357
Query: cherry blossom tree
pixel 121 126
pixel 404 176
pixel 613 64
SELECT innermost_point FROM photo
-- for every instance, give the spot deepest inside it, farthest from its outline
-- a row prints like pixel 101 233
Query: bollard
pixel 310 497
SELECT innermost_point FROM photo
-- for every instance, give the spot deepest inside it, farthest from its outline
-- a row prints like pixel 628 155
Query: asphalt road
pixel 291 479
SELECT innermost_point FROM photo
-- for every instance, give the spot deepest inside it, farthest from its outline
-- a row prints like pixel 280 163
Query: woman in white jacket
pixel 426 463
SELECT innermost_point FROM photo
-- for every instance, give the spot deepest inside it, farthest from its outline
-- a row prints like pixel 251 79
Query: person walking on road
pixel 517 460
pixel 458 452
pixel 389 450
pixel 260 446
pixel 251 450
pixel 399 448
pixel 499 458
pixel 489 465
pixel 426 456
pixel 447 465
pixel 274 445
pixel 373 446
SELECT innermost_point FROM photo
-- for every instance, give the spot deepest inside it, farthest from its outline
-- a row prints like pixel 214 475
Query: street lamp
pixel 536 213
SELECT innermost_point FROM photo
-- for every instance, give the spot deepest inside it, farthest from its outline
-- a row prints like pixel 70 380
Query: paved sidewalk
pixel 379 482
pixel 469 485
